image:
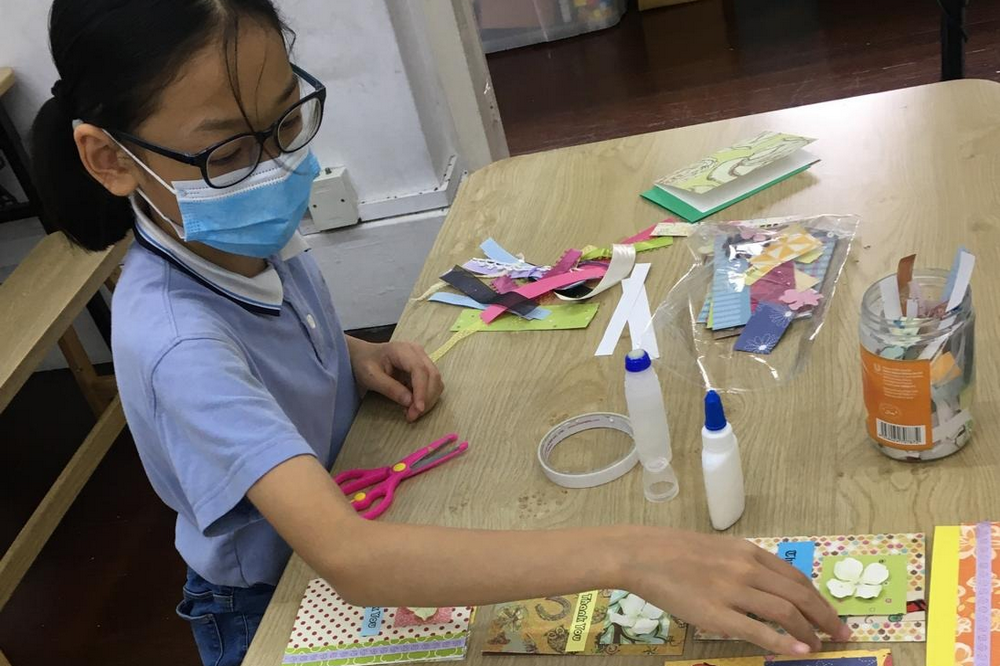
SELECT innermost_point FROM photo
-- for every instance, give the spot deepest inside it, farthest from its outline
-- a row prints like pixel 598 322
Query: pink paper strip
pixel 505 283
pixel 565 263
pixel 645 234
pixel 544 286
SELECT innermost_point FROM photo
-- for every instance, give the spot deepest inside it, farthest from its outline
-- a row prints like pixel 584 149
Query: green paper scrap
pixel 892 601
pixel 562 317
pixel 641 246
pixel 664 199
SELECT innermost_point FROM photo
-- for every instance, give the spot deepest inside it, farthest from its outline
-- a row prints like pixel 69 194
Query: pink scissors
pixel 382 482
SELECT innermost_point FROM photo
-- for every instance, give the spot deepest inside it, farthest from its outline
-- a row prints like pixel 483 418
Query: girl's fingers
pixel 782 611
pixel 785 581
pixel 744 628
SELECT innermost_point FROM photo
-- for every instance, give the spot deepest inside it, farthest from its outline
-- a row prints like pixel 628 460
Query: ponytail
pixel 72 200
pixel 114 58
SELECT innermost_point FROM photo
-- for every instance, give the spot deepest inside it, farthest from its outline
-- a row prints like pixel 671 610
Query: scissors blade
pixel 433 458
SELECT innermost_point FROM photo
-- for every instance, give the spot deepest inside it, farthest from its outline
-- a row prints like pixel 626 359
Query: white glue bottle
pixel 720 461
pixel 649 427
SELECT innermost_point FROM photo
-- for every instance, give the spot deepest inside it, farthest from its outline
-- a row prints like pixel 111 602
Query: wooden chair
pixel 38 304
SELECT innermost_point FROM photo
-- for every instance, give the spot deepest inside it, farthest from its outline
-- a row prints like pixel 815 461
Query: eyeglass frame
pixel 200 159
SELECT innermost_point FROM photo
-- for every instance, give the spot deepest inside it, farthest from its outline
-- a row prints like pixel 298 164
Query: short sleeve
pixel 220 428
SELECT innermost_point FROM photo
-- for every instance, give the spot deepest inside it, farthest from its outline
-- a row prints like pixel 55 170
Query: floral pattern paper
pixel 965 638
pixel 622 623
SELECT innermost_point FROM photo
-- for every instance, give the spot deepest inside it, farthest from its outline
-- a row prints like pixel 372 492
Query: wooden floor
pixel 715 59
pixel 104 589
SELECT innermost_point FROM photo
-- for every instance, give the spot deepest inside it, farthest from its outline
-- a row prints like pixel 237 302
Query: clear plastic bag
pixel 707 358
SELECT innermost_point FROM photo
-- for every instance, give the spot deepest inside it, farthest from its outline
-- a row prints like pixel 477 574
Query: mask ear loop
pixel 179 228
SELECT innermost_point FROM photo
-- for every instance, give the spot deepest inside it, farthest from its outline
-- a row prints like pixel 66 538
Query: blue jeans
pixel 223 619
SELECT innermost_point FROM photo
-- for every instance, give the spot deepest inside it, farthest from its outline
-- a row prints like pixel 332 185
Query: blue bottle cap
pixel 715 415
pixel 636 361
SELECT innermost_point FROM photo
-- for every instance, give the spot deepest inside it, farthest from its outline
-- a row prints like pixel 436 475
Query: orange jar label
pixel 898 401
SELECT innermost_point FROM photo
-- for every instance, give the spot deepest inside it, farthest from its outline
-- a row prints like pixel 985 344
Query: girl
pixel 185 121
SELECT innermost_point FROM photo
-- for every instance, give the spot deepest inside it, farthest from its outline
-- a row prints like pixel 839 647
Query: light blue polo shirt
pixel 222 378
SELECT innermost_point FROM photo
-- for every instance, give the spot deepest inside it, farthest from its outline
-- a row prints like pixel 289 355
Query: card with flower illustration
pixel 885 572
pixel 330 632
pixel 597 622
pixel 849 658
pixel 731 174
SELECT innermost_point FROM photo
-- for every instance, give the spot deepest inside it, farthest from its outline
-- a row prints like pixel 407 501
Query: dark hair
pixel 114 57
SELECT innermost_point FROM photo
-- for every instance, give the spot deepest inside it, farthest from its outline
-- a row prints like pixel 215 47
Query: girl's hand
pixel 713 582
pixel 401 371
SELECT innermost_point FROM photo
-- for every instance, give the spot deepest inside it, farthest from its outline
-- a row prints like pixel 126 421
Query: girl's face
pixel 198 109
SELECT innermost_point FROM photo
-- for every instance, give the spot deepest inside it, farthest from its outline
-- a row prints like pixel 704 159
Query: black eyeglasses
pixel 235 159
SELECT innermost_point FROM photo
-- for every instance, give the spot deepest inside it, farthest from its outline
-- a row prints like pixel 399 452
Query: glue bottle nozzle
pixel 715 414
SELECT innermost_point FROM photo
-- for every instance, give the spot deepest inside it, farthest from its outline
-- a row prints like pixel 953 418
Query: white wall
pixel 372 124
pixel 392 91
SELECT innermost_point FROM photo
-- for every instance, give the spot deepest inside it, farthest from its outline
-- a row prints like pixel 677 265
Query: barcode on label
pixel 905 435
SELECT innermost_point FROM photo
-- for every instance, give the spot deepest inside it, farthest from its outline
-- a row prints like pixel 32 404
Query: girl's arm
pixel 710 581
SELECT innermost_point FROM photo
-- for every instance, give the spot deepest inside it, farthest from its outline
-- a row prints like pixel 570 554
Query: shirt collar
pixel 262 293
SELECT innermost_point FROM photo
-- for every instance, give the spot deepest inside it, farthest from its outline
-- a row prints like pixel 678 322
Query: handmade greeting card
pixel 876 581
pixel 732 174
pixel 965 596
pixel 329 632
pixel 597 622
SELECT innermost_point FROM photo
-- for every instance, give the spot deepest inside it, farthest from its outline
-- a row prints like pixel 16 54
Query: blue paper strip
pixel 765 328
pixel 730 295
pixel 493 251
pixel 799 554
pixel 371 625
pixel 463 301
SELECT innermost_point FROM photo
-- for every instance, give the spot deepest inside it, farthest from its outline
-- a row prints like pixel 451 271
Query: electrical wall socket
pixel 333 203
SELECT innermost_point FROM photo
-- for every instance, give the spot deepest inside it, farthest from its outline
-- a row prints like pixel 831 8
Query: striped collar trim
pixel 261 294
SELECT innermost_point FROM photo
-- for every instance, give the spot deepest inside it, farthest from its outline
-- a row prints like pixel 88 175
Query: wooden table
pixel 922 168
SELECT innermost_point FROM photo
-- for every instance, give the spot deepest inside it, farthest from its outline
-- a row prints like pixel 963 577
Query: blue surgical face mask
pixel 254 218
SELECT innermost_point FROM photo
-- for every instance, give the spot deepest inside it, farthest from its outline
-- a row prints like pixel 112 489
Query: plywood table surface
pixel 921 166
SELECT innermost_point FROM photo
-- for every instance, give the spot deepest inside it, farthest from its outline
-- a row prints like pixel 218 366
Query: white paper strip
pixel 630 291
pixel 622 261
pixel 640 325
pixel 890 298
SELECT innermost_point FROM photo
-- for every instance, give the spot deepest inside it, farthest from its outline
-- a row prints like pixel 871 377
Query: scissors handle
pixel 383 493
pixel 353 480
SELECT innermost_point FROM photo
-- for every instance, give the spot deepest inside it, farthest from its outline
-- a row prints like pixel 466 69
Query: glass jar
pixel 918 373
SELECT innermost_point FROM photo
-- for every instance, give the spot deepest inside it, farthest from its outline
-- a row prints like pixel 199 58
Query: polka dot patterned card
pixel 880 559
pixel 330 632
